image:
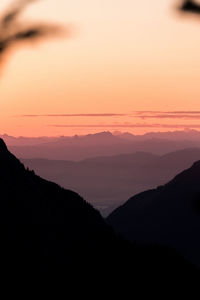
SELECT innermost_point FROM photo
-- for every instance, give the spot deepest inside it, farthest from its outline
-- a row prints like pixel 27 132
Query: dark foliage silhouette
pixel 13 32
pixel 190 6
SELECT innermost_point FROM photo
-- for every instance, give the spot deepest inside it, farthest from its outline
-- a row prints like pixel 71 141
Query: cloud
pixel 124 125
pixel 189 115
pixel 75 115
pixel 169 112
pixel 13 32
pixel 137 114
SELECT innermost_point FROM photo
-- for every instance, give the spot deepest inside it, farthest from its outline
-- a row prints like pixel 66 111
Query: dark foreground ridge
pixel 49 232
pixel 168 215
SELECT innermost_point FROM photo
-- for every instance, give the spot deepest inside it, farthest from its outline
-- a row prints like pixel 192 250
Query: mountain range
pixel 192 135
pixel 100 144
pixel 108 181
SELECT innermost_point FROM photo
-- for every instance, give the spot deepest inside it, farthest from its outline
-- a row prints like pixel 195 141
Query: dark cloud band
pixel 137 125
pixel 189 115
pixel 75 115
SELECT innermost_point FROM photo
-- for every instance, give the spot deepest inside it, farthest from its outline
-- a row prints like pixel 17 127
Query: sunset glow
pixel 128 65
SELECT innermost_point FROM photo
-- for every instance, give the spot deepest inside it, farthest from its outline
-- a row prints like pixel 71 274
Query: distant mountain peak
pixel 102 134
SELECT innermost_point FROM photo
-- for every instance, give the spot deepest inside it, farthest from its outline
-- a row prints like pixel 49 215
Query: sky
pixel 128 65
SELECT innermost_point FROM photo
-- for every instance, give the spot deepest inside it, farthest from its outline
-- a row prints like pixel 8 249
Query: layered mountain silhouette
pixel 100 144
pixel 102 137
pixel 49 231
pixel 168 215
pixel 108 181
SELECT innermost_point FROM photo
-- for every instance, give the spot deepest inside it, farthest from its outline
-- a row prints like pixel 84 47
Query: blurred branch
pixel 12 31
pixel 189 6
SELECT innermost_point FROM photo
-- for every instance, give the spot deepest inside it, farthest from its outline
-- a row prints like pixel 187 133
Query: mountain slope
pixel 168 215
pixel 42 219
pixel 100 144
pixel 50 232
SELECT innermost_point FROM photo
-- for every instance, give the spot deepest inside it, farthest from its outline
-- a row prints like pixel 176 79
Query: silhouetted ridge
pixel 168 215
pixel 3 147
pixel 10 167
pixel 196 164
pixel 36 214
pixel 189 178
pixel 46 230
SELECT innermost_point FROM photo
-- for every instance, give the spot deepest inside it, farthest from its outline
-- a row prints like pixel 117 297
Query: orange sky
pixel 124 56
